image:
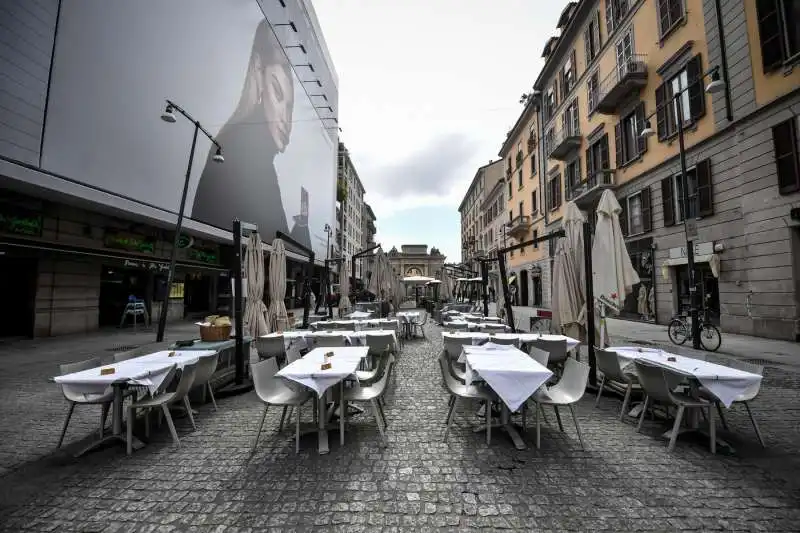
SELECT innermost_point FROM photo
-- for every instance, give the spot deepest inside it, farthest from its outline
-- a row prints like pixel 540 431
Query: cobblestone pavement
pixel 623 481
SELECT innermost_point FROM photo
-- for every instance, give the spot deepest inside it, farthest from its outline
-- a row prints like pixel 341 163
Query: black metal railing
pixel 636 64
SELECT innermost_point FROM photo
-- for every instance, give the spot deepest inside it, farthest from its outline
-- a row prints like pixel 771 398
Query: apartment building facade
pixel 529 267
pixel 495 219
pixel 474 235
pixel 368 230
pixel 351 211
pixel 620 67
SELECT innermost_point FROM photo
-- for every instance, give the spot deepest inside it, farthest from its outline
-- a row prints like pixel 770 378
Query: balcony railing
pixel 589 190
pixel 564 142
pixel 629 76
pixel 519 226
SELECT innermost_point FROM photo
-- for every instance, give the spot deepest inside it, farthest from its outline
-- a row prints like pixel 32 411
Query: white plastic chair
pixel 74 397
pixel 164 400
pixel 568 391
pixel 270 347
pixel 371 394
pixel 330 341
pixel 608 364
pixel 657 387
pixel 273 391
pixel 744 398
pixel 460 391
pixel 206 366
pixel 507 341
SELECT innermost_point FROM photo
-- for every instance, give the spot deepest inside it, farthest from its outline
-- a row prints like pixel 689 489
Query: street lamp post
pixel 715 86
pixel 169 116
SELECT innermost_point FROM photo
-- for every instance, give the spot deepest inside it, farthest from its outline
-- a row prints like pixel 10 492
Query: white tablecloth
pixel 356 324
pixel 307 371
pixel 510 372
pixel 359 314
pixel 351 336
pixel 724 382
pixel 522 337
pixel 147 371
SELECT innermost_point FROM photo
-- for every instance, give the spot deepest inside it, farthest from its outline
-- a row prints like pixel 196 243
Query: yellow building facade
pixel 619 67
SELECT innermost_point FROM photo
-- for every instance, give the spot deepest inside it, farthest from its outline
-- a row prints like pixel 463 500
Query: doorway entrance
pixel 197 294
pixel 523 287
pixel 537 291
pixel 708 287
pixel 18 290
pixel 116 285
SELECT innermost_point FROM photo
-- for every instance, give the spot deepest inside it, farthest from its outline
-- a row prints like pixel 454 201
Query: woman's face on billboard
pixel 277 99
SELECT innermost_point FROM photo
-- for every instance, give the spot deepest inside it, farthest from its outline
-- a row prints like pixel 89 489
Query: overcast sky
pixel 427 91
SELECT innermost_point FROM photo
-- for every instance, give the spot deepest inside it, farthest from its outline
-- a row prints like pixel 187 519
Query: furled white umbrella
pixel 569 279
pixel 344 289
pixel 277 287
pixel 255 312
pixel 614 275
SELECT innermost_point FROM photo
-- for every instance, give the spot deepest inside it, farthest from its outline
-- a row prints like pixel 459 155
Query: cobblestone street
pixel 623 481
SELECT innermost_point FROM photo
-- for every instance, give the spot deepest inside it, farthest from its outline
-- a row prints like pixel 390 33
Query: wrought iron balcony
pixel 588 191
pixel 627 77
pixel 519 226
pixel 564 142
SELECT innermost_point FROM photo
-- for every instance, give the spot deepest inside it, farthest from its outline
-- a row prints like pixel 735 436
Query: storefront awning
pixel 711 259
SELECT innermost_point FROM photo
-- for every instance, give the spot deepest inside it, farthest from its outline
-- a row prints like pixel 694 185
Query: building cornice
pixel 531 107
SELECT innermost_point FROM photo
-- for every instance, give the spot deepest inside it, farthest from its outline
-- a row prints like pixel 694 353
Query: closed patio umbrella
pixel 255 311
pixel 344 289
pixel 614 275
pixel 568 295
pixel 279 320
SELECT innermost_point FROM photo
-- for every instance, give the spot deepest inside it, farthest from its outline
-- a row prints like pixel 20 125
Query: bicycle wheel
pixel 678 331
pixel 710 337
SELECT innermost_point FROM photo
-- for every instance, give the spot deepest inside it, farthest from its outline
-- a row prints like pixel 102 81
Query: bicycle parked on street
pixel 680 330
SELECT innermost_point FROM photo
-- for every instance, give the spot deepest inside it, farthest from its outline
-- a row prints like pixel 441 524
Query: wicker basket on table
pixel 215 333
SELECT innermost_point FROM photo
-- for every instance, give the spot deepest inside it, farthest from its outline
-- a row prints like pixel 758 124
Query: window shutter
pixel 661 111
pixel 784 139
pixel 647 211
pixel 574 67
pixel 641 141
pixel 587 44
pixel 668 201
pixel 623 217
pixel 597 33
pixel 697 94
pixel 770 34
pixel 618 142
pixel 705 197
pixel 589 163
pixel 604 162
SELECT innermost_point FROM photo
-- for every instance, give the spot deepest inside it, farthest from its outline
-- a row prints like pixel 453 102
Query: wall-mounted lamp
pixel 325 96
pixel 300 46
pixel 319 83
pixel 290 24
pixel 309 65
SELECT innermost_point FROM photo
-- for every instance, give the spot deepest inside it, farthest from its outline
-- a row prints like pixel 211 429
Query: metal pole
pixel 162 317
pixel 353 284
pixel 238 317
pixel 307 289
pixel 485 283
pixel 590 331
pixel 501 264
pixel 689 243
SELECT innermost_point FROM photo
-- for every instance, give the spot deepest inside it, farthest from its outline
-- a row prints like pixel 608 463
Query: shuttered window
pixel 629 143
pixel 778 32
pixel 686 86
pixel 700 189
pixel 784 138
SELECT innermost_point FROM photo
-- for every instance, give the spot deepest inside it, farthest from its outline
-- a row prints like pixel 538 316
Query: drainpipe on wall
pixel 724 61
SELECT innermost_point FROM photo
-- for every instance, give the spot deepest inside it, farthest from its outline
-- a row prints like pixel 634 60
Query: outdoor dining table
pixel 511 373
pixel 147 371
pixel 724 382
pixel 350 336
pixel 523 338
pixel 308 372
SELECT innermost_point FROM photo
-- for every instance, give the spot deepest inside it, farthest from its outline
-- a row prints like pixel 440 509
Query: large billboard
pixel 240 68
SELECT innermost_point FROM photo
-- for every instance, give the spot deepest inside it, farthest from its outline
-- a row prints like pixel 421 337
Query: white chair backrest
pixel 653 381
pixel 508 341
pixel 556 348
pixel 330 341
pixel 574 379
pixel 379 342
pixel 608 364
pixel 206 366
pixel 538 355
pixel 270 346
pixel 454 345
pixel 292 354
pixel 188 373
pixel 69 368
pixel 264 380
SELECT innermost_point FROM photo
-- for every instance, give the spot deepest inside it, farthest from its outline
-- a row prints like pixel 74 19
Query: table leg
pixel 116 437
pixel 323 430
